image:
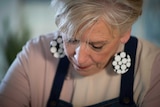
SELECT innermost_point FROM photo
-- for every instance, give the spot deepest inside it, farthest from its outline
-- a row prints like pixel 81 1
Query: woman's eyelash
pixel 74 41
pixel 96 46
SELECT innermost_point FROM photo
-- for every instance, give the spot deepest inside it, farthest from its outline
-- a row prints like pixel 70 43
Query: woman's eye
pixel 73 41
pixel 96 46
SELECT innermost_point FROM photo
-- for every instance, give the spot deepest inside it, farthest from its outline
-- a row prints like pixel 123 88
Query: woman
pixel 108 67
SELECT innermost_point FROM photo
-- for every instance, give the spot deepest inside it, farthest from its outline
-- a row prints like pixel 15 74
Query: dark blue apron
pixel 125 98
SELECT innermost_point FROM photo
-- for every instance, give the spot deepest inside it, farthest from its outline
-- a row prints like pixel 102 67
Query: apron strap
pixel 58 82
pixel 127 79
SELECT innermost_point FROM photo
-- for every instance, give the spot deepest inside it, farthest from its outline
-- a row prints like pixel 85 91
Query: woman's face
pixel 91 52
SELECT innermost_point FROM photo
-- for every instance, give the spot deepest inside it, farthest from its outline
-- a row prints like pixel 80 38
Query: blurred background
pixel 21 20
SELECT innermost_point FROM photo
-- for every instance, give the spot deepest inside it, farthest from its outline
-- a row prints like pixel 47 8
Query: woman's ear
pixel 125 37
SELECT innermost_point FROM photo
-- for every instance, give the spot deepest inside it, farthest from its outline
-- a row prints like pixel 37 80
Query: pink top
pixel 29 79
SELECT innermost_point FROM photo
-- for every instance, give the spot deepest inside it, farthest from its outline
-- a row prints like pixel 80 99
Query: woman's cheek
pixel 68 50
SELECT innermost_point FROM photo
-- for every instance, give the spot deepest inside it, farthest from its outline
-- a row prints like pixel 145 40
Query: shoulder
pixel 33 68
pixel 37 60
pixel 40 45
pixel 36 53
pixel 147 47
pixel 146 57
pixel 42 40
pixel 150 73
pixel 146 52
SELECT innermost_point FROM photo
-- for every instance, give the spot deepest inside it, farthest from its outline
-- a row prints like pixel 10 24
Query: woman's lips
pixel 81 67
pixel 85 67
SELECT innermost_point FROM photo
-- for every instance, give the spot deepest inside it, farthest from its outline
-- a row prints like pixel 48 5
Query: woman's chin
pixel 86 72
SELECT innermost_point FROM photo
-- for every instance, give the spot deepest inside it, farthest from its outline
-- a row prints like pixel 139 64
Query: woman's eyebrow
pixel 98 42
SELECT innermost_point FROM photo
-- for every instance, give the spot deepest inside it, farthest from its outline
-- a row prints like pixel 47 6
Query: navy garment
pixel 126 90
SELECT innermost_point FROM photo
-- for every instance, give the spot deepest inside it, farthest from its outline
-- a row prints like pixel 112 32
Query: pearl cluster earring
pixel 56 47
pixel 121 62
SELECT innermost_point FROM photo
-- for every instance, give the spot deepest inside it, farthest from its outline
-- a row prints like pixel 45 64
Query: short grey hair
pixel 75 16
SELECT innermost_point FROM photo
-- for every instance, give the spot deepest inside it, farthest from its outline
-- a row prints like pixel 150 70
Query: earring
pixel 56 47
pixel 121 62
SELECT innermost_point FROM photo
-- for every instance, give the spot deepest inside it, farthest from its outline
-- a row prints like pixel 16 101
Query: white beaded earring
pixel 56 47
pixel 121 62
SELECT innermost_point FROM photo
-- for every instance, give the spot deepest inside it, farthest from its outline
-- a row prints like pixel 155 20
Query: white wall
pixel 148 26
pixel 39 18
pixel 36 16
pixel 8 14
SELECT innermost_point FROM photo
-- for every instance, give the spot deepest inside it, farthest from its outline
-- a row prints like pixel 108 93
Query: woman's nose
pixel 81 54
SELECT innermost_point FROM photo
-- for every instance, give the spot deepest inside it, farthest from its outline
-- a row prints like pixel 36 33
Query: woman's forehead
pixel 98 30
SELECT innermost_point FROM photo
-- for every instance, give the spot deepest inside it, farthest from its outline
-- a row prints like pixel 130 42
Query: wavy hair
pixel 75 16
